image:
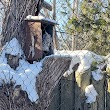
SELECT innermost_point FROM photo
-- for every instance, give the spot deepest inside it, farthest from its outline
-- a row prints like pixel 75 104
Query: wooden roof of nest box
pixel 36 26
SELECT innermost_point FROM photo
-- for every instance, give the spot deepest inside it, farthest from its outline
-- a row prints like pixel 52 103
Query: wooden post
pixel 67 93
pixel 100 88
pixel 108 94
pixel 82 81
pixel 56 98
pixel 48 79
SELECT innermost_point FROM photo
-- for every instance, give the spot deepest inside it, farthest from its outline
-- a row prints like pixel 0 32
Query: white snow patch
pixel 91 94
pixel 13 47
pixel 30 17
pixel 27 77
pixel 83 57
pixel 2 58
pixel 24 75
pixel 97 75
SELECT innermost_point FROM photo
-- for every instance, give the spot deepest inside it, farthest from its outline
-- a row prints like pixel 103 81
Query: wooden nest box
pixel 39 37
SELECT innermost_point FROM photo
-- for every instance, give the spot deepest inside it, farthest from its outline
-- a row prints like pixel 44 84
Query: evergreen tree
pixel 94 22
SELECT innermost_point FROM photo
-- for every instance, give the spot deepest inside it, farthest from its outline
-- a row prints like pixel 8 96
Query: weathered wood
pixel 13 98
pixel 64 94
pixel 82 81
pixel 55 103
pixel 99 104
pixel 54 68
pixel 13 25
pixel 4 103
pixel 108 94
pixel 70 93
pixel 33 46
pixel 67 93
pixel 56 92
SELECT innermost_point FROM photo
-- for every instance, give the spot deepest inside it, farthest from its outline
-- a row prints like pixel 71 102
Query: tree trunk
pixel 56 44
pixel 53 69
pixel 13 25
pixel 75 14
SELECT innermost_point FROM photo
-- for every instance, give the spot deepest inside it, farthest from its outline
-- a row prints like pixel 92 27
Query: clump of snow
pixel 27 77
pixel 13 47
pixel 83 57
pixel 91 94
pixel 24 75
pixel 97 75
pixel 2 58
pixel 30 17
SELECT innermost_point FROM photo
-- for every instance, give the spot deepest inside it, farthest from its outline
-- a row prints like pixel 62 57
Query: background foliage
pixel 91 23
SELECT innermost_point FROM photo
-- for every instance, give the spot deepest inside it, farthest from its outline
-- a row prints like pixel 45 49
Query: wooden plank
pixel 67 93
pixel 48 79
pixel 99 86
pixel 64 95
pixel 108 94
pixel 47 6
pixel 33 40
pixel 56 98
pixel 82 81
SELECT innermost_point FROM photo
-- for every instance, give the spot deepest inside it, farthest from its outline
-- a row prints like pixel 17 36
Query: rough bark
pixel 100 88
pixel 14 98
pixel 13 25
pixel 50 76
pixel 82 81
pixel 55 91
